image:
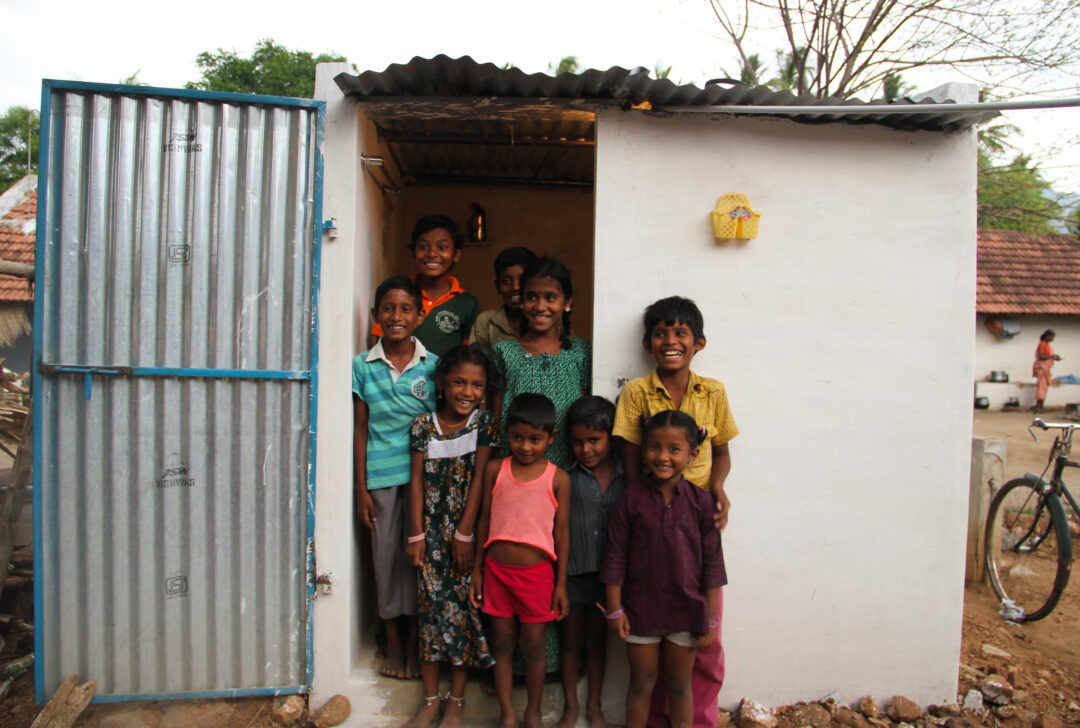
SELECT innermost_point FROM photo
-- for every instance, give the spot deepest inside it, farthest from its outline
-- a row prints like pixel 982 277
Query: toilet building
pixel 206 264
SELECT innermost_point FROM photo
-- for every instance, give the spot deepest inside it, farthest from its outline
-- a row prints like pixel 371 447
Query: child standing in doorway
pixel 450 449
pixel 545 359
pixel 596 482
pixel 393 382
pixel 674 334
pixel 519 575
pixel 507 321
pixel 663 568
pixel 449 311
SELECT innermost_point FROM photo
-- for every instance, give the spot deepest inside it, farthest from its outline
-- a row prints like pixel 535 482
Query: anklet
pixel 459 701
pixel 430 700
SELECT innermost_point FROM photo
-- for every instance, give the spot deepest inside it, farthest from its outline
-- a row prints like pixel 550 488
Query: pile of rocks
pixel 290 709
pixel 988 705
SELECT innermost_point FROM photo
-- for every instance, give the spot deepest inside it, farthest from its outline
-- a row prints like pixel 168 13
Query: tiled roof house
pixel 18 217
pixel 1026 283
pixel 1028 273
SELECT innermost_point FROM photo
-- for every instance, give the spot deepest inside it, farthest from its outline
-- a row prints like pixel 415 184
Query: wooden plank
pixel 66 704
pixel 12 497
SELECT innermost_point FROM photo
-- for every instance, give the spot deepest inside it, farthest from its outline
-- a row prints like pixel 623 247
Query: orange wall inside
pixel 557 222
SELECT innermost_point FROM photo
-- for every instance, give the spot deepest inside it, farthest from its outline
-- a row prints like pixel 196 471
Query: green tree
pixel 566 64
pixel 750 70
pixel 792 71
pixel 1072 222
pixel 16 125
pixel 893 87
pixel 1013 195
pixel 272 69
pixel 133 79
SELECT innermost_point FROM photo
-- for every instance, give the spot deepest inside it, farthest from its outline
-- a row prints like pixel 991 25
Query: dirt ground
pixel 1044 662
pixel 1045 654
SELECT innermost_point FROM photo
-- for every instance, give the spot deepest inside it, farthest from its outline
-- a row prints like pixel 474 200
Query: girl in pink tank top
pixel 520 573
pixel 524 512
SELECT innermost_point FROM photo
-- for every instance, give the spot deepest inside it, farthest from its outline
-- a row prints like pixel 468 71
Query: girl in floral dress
pixel 450 448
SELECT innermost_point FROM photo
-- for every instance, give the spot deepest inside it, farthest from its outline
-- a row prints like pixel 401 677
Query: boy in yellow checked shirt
pixel 674 333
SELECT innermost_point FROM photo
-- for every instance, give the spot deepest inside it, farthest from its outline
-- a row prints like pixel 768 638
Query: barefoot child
pixel 596 482
pixel 663 568
pixel 674 334
pixel 450 449
pixel 520 572
pixel 393 382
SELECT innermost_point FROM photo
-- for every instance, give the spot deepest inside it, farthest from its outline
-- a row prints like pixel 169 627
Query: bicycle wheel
pixel 1028 550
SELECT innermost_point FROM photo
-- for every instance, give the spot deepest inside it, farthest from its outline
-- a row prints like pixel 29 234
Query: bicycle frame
pixel 1028 596
pixel 1060 454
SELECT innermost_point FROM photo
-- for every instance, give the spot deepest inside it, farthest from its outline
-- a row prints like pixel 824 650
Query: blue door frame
pixel 96 375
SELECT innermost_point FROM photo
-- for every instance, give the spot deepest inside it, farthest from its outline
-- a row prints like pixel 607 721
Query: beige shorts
pixel 682 639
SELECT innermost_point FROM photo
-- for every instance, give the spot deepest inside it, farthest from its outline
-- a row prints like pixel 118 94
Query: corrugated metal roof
pixel 463 78
pixel 1027 273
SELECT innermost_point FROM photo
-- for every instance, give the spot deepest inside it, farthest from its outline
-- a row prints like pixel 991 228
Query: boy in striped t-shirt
pixel 393 382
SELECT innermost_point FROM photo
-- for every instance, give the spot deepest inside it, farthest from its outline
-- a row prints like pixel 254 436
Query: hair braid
pixel 564 335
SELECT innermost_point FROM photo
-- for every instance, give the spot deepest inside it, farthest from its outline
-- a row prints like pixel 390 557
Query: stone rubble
pixel 973 701
pixel 989 650
pixel 287 709
pixel 754 715
pixel 996 689
pixel 334 712
pixel 995 703
pixel 805 715
pixel 903 710
pixel 1045 720
pixel 868 707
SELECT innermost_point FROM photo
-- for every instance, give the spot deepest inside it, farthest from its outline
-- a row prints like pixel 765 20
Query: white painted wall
pixel 844 336
pixel 1015 356
pixel 345 298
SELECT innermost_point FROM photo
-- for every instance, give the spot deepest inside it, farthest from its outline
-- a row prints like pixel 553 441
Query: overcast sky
pixel 108 40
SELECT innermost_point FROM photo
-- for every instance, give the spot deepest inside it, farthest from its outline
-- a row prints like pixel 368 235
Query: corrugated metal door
pixel 177 269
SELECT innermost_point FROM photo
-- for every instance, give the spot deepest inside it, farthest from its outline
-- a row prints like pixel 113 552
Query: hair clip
pixel 702 431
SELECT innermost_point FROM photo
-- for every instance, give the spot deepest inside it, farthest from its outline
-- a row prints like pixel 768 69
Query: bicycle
pixel 1028 542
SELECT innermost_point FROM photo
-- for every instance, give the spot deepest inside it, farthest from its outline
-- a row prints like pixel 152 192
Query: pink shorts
pixel 524 592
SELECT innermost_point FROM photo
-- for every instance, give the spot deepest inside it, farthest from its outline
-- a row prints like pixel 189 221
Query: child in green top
pixel 449 311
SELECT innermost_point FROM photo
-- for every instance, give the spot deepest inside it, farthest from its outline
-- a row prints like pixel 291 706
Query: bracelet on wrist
pixel 459 536
pixel 417 538
pixel 712 624
pixel 614 615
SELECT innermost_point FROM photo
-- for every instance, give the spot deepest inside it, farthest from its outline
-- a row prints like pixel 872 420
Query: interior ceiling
pixel 485 141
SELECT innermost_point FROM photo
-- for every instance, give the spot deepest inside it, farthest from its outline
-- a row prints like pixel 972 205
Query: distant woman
pixel 1044 361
